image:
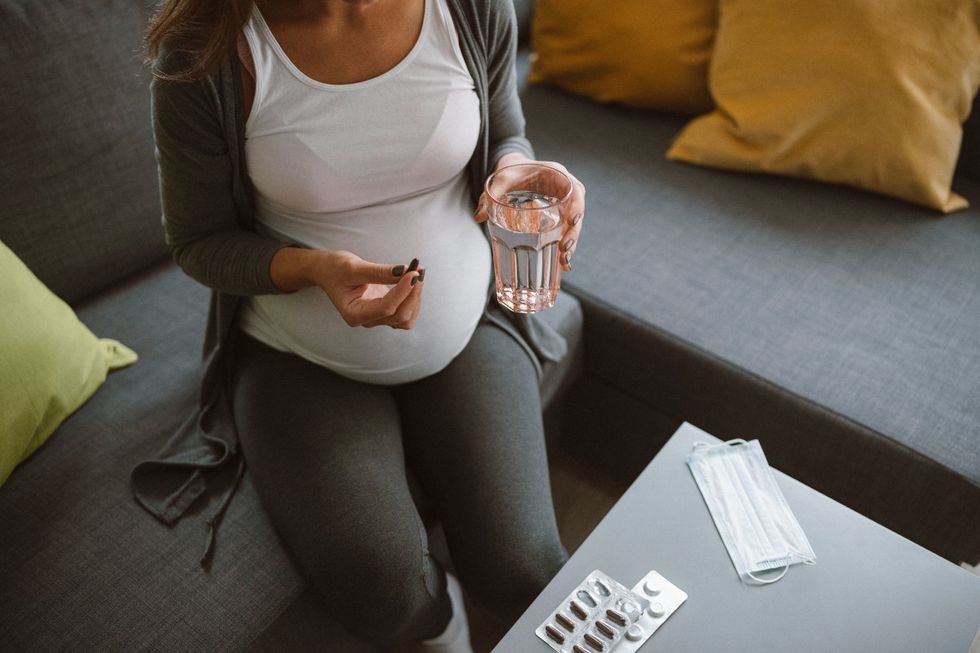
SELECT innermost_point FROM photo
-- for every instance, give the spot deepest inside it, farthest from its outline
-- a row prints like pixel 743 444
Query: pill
pixel 586 598
pixel 600 587
pixel 564 621
pixel 616 617
pixel 656 610
pixel 554 634
pixel 605 629
pixel 634 633
pixel 651 587
pixel 594 642
pixel 578 610
pixel 578 649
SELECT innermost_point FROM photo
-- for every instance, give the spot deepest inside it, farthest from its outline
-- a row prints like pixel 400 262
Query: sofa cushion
pixel 641 53
pixel 86 567
pixel 862 308
pixel 863 93
pixel 77 175
pixel 50 363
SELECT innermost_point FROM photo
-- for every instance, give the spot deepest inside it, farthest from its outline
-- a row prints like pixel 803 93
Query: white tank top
pixel 377 168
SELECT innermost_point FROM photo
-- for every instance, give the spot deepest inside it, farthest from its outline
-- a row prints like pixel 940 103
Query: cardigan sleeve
pixel 505 113
pixel 199 215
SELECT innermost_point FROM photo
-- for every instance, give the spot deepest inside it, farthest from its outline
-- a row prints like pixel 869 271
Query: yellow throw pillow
pixel 868 93
pixel 50 363
pixel 643 53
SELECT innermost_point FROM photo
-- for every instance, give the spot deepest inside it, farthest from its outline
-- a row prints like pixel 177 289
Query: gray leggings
pixel 328 457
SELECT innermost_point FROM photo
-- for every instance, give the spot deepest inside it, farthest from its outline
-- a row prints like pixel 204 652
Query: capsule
pixel 586 598
pixel 554 634
pixel 564 621
pixel 578 649
pixel 616 617
pixel 605 629
pixel 594 642
pixel 578 610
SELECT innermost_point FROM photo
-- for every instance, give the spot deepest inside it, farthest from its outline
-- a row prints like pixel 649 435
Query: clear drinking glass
pixel 525 233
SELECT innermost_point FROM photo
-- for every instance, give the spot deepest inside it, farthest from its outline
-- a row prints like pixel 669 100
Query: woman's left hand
pixel 572 212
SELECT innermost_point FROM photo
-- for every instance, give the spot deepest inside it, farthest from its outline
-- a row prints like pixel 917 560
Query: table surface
pixel 871 589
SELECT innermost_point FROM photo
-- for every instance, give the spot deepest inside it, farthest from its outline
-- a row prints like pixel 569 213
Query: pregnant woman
pixel 320 165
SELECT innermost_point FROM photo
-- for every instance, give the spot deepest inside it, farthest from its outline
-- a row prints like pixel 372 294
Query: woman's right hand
pixel 365 294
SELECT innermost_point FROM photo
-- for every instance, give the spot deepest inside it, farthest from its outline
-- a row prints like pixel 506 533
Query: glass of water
pixel 525 202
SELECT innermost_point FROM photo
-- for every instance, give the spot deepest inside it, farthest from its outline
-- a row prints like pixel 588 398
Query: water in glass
pixel 525 232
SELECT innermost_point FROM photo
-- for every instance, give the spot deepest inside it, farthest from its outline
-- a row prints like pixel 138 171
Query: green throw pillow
pixel 50 363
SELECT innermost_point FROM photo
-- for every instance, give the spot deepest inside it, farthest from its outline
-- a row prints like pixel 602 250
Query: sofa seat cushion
pixel 87 568
pixel 823 297
pixel 84 565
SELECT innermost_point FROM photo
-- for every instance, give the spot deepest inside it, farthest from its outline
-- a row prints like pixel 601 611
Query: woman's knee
pixel 507 583
pixel 387 592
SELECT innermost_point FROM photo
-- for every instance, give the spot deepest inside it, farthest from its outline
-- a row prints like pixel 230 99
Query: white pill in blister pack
pixel 665 598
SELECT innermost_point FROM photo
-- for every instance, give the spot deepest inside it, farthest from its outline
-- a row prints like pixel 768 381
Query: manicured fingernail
pixel 567 245
pixel 416 279
pixel 576 219
pixel 398 270
pixel 413 265
pixel 421 275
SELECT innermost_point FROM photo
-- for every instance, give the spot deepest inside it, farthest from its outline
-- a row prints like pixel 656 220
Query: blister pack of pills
pixel 594 617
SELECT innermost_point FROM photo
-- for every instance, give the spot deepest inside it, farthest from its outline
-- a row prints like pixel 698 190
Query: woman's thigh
pixel 326 456
pixel 475 437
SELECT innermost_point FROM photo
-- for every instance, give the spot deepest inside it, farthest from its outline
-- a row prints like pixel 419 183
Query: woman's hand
pixel 358 289
pixel 572 212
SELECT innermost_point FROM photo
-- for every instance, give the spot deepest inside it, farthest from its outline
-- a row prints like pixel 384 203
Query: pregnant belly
pixel 456 257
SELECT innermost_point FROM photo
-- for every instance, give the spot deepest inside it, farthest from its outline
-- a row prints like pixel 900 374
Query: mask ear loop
pixel 700 445
pixel 766 581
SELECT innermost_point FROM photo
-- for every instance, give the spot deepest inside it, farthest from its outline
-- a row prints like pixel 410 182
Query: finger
pixel 565 260
pixel 361 271
pixel 360 311
pixel 482 208
pixel 407 312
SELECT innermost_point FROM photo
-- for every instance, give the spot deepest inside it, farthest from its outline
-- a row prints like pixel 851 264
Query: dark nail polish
pixel 567 245
pixel 576 219
pixel 415 280
pixel 413 265
pixel 421 275
pixel 398 270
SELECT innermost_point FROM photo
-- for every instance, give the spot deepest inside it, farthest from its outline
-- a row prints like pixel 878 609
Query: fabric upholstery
pixel 50 363
pixel 824 297
pixel 642 53
pixel 87 568
pixel 77 175
pixel 83 564
pixel 863 93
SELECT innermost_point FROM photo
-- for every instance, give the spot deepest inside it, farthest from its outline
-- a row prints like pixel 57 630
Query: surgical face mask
pixel 756 524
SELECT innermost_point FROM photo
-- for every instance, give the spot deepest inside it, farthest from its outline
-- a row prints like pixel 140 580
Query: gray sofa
pixel 837 326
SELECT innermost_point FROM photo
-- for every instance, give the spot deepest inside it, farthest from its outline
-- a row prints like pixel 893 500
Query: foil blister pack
pixel 594 617
pixel 600 615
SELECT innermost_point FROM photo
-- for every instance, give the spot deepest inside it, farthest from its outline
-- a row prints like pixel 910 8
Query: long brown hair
pixel 204 31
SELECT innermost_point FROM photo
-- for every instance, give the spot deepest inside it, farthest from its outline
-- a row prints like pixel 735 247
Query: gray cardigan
pixel 208 215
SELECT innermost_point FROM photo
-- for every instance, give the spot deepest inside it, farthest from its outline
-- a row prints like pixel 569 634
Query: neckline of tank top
pixel 309 81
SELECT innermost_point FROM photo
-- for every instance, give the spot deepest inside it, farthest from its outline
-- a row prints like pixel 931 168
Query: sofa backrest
pixel 78 187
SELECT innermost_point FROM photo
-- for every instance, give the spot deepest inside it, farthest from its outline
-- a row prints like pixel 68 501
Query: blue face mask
pixel 750 512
